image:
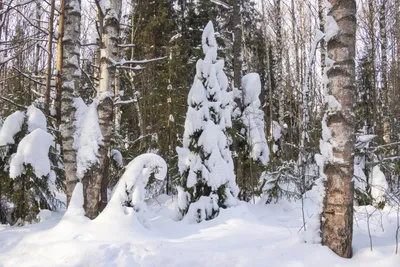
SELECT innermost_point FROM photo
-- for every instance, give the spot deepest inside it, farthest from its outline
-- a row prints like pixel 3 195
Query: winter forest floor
pixel 246 235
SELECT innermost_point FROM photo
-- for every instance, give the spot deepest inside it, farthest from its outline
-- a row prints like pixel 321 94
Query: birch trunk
pixel 68 82
pixel 337 226
pixel 110 17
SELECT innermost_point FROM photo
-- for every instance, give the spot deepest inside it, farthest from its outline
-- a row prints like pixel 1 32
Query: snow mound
pixel 75 207
pixel 44 215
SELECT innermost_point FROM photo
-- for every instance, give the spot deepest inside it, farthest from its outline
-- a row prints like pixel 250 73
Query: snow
pixel 75 207
pixel 130 189
pixel 246 235
pixel 365 138
pixel 44 215
pixel 208 40
pixel 332 28
pixel 88 137
pixel 33 149
pixel 36 119
pixel 253 118
pixel 379 185
pixel 202 209
pixel 117 157
pixel 11 126
pixel 276 131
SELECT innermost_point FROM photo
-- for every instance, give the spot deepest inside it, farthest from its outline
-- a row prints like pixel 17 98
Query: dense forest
pixel 107 105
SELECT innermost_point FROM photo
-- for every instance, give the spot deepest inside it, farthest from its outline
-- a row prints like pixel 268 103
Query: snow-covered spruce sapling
pixel 249 141
pixel 25 145
pixel 205 161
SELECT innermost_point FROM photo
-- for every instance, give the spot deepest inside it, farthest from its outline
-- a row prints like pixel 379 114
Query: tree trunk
pixel 371 32
pixel 385 88
pixel 69 52
pixel 295 42
pixel 321 14
pixel 337 226
pixel 279 48
pixel 237 44
pixel 279 81
pixel 49 57
pixel 109 17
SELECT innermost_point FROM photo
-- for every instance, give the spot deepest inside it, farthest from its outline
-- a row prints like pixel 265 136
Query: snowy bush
pixel 205 161
pixel 130 191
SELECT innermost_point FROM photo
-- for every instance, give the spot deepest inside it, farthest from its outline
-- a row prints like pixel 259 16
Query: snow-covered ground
pixel 245 235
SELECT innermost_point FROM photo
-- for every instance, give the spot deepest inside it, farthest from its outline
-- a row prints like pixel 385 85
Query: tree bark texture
pixel 337 226
pixel 49 57
pixel 68 68
pixel 108 57
pixel 237 44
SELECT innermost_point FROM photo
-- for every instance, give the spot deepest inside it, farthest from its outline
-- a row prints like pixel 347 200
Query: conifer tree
pixel 205 161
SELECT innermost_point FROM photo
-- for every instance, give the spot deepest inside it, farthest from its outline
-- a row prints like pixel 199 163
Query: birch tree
pixel 109 16
pixel 337 226
pixel 68 68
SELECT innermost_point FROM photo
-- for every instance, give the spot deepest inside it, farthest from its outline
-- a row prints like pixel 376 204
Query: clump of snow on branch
pixel 253 118
pixel 33 150
pixel 117 157
pixel 36 119
pixel 379 185
pixel 276 135
pixel 11 126
pixel 88 137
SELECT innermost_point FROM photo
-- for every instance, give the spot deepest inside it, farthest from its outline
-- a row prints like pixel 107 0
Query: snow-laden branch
pixel 118 102
pixel 143 61
pixel 221 3
pixel 126 45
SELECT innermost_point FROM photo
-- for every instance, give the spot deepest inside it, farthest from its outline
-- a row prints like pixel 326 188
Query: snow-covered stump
pixel 128 198
pixel 205 160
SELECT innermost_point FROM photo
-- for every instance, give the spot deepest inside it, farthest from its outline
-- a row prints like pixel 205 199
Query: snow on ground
pixel 245 235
